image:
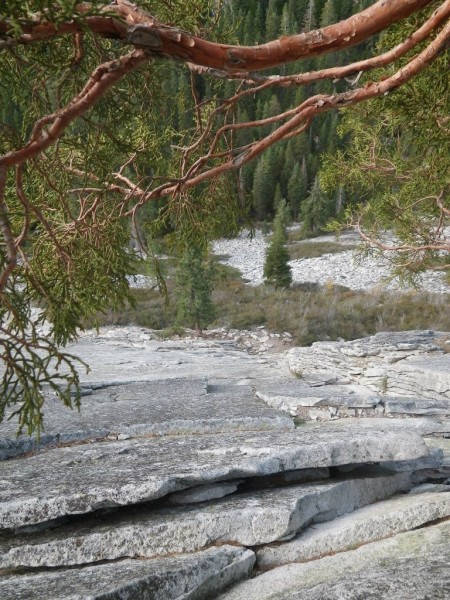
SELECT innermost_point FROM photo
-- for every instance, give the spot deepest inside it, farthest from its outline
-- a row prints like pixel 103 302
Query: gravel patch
pixel 344 268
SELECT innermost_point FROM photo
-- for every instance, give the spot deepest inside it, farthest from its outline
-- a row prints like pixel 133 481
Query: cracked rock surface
pixel 248 519
pixel 410 566
pixel 81 479
pixel 183 577
pixel 185 466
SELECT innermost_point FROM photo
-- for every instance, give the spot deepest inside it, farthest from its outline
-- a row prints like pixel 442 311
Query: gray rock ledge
pixel 410 566
pixel 192 577
pixel 248 519
pixel 165 407
pixel 365 525
pixel 82 479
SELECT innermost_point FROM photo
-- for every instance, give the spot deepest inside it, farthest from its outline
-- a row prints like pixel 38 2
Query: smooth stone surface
pixel 423 376
pixel 191 577
pixel 165 407
pixel 432 461
pixel 119 354
pixel 365 525
pixel 410 406
pixel 248 519
pixel 410 566
pixel 443 444
pixel 83 478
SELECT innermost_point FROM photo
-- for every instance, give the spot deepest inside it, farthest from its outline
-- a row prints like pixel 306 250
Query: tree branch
pixel 301 116
pixel 5 228
pixel 138 28
pixel 51 127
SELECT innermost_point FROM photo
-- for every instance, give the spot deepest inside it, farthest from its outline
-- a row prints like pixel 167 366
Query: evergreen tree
pixel 194 283
pixel 277 271
pixel 91 132
pixel 310 16
pixel 297 188
pixel 264 185
pixel 272 20
pixel 329 14
pixel 278 197
pixel 317 209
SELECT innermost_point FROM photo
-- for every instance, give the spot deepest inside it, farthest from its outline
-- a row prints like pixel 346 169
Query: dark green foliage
pixel 275 18
pixel 76 258
pixel 296 190
pixel 194 284
pixel 395 167
pixel 317 209
pixel 277 271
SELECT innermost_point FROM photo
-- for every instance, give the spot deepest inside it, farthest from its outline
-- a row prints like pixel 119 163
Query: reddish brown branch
pixel 50 127
pixel 356 68
pixel 140 29
pixel 171 42
pixel 5 228
pixel 26 206
pixel 309 109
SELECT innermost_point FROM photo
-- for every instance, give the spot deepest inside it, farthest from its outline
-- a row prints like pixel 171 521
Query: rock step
pixel 411 363
pixel 423 426
pixel 413 566
pixel 330 401
pixel 364 525
pixel 81 479
pixel 149 408
pixel 192 577
pixel 248 519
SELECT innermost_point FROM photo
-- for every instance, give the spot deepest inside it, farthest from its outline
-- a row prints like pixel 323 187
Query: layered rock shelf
pixel 197 470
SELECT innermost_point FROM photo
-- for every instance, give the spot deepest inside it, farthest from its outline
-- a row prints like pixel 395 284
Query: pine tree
pixel 277 271
pixel 317 209
pixel 193 289
pixel 310 16
pixel 272 20
pixel 264 185
pixel 296 192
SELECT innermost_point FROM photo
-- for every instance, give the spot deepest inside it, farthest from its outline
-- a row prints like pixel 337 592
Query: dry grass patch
pixel 308 311
pixel 314 249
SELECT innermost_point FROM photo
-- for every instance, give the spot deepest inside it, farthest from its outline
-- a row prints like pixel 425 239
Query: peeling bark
pixel 135 27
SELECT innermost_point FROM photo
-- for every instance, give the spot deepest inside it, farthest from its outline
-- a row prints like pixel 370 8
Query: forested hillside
pixel 287 170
